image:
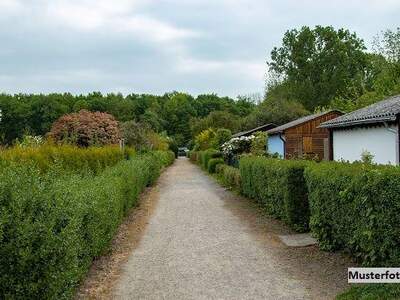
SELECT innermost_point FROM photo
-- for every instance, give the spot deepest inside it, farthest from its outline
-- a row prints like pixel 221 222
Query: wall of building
pixel 349 144
pixel 275 145
pixel 307 139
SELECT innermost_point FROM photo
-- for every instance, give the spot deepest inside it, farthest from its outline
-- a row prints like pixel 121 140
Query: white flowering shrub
pixel 31 141
pixel 237 145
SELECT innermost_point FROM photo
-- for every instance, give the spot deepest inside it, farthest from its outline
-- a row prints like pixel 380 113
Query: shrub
pixel 86 129
pixel 53 224
pixel 229 175
pixel 280 186
pixel 355 207
pixel 193 156
pixel 259 144
pixel 205 139
pixel 135 134
pixel 221 136
pixel 205 156
pixel 212 163
pixel 67 156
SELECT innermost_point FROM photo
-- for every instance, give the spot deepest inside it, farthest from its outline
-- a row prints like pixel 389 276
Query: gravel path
pixel 201 244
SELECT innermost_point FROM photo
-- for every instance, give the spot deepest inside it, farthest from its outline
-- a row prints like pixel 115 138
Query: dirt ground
pixel 192 239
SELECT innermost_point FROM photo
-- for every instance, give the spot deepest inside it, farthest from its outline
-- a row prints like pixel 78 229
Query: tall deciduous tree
pixel 320 64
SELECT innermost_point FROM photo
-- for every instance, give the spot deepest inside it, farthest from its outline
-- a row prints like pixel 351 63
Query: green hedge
pixel 70 157
pixel 279 185
pixel 52 224
pixel 205 156
pixel 193 156
pixel 229 175
pixel 212 164
pixel 356 208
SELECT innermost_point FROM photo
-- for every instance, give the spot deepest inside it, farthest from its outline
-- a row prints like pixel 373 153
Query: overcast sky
pixel 149 46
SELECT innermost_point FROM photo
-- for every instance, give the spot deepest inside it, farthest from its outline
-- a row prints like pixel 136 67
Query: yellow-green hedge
pixel 69 157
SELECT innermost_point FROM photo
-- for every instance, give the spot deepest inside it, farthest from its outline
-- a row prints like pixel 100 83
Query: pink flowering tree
pixel 86 128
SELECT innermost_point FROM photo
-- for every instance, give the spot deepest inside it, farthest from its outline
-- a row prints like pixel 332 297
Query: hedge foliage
pixel 212 164
pixel 205 156
pixel 67 156
pixel 356 207
pixel 279 185
pixel 352 207
pixel 52 224
pixel 229 175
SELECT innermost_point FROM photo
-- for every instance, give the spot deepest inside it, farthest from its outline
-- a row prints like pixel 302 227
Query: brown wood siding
pixel 307 139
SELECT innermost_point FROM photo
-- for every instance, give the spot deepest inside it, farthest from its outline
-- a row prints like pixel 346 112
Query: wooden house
pixel 302 137
pixel 374 130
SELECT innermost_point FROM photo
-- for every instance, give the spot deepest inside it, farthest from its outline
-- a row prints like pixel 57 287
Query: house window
pixel 307 144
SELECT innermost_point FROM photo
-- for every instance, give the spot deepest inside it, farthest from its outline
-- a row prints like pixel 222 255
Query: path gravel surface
pixel 202 243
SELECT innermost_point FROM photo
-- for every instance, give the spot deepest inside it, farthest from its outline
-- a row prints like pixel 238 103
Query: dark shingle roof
pixel 298 122
pixel 259 128
pixel 383 111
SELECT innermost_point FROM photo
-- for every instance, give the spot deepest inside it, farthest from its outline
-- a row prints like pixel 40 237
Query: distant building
pixel 302 137
pixel 374 129
pixel 265 127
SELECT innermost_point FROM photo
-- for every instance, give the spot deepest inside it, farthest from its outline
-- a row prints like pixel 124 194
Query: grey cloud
pixel 159 46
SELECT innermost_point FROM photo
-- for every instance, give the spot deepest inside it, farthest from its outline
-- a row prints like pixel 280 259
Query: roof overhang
pixel 359 122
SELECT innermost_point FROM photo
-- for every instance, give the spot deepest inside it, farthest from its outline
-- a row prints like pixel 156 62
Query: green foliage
pixel 53 224
pixel 30 141
pixel 215 120
pixel 205 156
pixel 212 164
pixel 135 135
pixel 205 139
pixel 68 157
pixel 259 144
pixel 371 292
pixel 230 176
pixel 280 186
pixel 221 136
pixel 193 156
pixel 355 207
pixel 276 110
pixel 382 77
pixel 171 112
pixel 320 64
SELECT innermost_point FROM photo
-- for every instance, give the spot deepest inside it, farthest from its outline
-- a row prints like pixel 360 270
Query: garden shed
pixel 302 137
pixel 371 130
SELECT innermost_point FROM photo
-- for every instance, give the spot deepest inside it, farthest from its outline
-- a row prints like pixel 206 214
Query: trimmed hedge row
pixel 204 156
pixel 280 186
pixel 356 208
pixel 352 207
pixel 69 157
pixel 229 175
pixel 52 224
pixel 213 163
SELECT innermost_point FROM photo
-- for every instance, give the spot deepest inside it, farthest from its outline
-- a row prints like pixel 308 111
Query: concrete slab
pixel 298 240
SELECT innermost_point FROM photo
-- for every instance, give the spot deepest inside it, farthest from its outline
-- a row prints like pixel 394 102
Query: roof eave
pixel 358 122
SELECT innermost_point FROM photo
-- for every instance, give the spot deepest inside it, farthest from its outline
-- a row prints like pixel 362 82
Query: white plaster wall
pixel 379 141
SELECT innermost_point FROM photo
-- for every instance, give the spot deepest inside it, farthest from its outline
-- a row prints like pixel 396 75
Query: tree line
pixel 313 69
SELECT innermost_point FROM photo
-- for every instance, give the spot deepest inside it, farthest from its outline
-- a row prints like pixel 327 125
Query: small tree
pixel 367 157
pixel 204 140
pixel 259 143
pixel 135 134
pixel 86 129
pixel 221 136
